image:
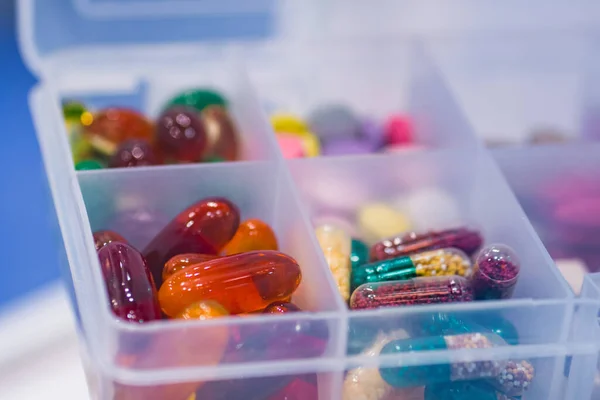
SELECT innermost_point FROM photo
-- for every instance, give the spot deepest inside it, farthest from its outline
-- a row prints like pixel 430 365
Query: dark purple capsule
pixel 465 239
pixel 133 153
pixel 496 272
pixel 129 284
pixel 181 135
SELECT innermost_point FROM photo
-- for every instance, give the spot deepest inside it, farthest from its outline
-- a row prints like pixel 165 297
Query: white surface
pixel 39 351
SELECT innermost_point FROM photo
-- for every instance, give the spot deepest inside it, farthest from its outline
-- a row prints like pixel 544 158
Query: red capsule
pixel 180 134
pixel 133 153
pixel 130 287
pixel 204 227
pixel 281 307
pixel 102 238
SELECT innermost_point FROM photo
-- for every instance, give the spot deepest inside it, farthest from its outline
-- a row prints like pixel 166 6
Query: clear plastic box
pixel 296 54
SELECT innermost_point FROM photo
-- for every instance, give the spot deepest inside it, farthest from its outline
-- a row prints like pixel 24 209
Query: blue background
pixel 29 233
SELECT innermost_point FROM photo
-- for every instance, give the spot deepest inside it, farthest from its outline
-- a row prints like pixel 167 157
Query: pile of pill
pixel 332 130
pixel 195 126
pixel 383 257
pixel 206 264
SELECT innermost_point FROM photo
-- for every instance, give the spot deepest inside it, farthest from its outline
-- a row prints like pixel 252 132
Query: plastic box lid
pixel 52 30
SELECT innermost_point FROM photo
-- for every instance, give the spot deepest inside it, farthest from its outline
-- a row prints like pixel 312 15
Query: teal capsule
pixel 395 269
pixel 468 390
pixel 420 375
pixel 438 262
pixel 87 165
pixel 448 324
pixel 359 253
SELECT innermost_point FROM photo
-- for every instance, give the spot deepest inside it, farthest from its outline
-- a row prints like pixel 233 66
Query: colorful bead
pixel 496 272
pixel 335 244
pixel 430 290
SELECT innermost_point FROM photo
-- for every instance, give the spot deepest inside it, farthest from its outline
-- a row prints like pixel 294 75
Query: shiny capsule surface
pixel 133 153
pixel 112 126
pixel 129 283
pixel 198 99
pixel 204 227
pixel 441 262
pixel 467 240
pixel 181 135
pixel 417 375
pixel 281 307
pixel 242 283
pixel 223 140
pixel 430 290
pixel 102 238
pixel 182 261
pixel 496 272
pixel 252 234
pixel 203 310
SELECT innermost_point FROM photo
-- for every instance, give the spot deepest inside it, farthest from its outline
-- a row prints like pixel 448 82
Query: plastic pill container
pixel 294 55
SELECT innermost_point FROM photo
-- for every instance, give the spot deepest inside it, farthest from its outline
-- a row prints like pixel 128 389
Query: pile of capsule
pixel 195 126
pixel 336 130
pixel 461 379
pixel 206 264
pixel 412 268
pixel 374 267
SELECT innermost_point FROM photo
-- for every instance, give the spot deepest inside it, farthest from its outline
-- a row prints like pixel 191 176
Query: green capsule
pixel 197 99
pixel 87 165
pixel 395 269
pixel 359 253
pixel 468 390
pixel 72 111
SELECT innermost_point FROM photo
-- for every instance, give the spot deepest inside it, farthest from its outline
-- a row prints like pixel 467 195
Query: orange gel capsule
pixel 241 283
pixel 205 227
pixel 182 261
pixel 252 234
pixel 203 310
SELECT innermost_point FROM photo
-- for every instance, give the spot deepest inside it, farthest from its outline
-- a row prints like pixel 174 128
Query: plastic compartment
pixel 513 84
pixel 82 48
pixel 557 187
pixel 374 78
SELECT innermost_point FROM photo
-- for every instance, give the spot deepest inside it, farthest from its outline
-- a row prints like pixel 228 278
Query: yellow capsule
pixel 336 245
pixel 288 123
pixel 379 221
pixel 310 143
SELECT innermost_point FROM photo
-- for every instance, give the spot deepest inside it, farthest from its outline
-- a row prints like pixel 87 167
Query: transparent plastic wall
pixel 173 359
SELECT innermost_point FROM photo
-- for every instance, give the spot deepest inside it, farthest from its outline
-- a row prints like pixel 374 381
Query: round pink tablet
pixel 398 129
pixel 290 145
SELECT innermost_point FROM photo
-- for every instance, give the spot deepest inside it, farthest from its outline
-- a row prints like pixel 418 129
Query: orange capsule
pixel 251 235
pixel 182 261
pixel 203 310
pixel 241 283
